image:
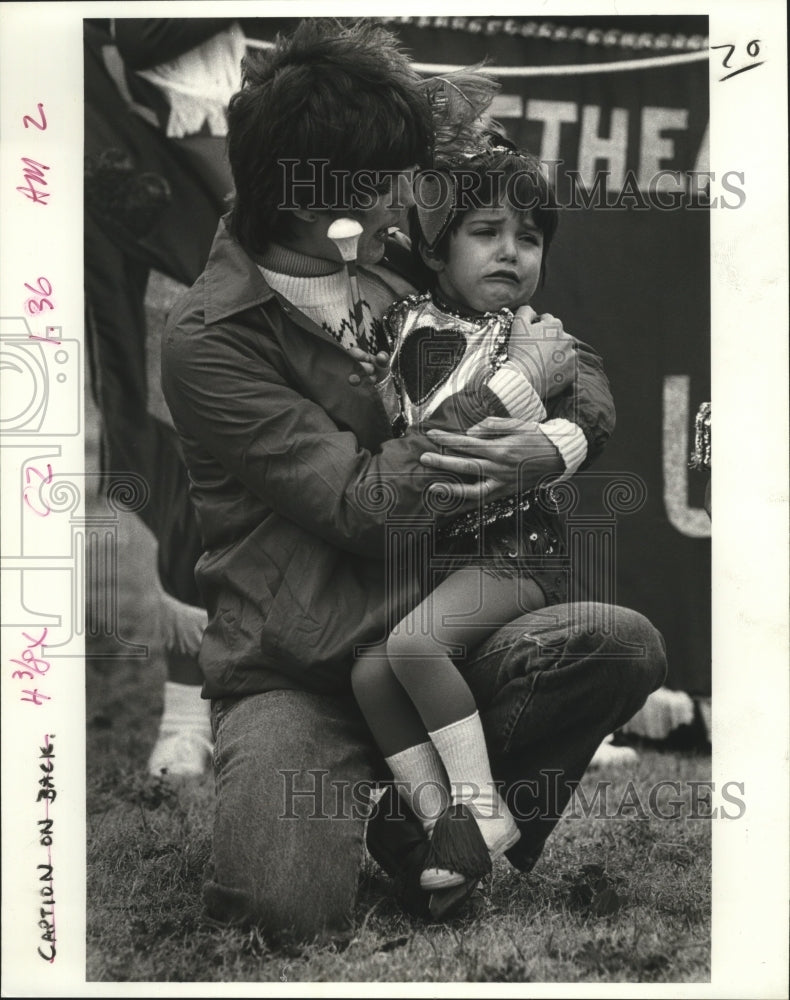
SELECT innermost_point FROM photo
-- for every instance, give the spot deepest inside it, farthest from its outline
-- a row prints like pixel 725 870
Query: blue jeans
pixel 294 769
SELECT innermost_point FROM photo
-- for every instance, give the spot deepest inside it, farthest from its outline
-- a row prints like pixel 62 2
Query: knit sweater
pixel 321 290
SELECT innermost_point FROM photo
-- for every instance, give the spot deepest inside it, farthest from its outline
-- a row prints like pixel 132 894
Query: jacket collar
pixel 232 280
pixel 233 283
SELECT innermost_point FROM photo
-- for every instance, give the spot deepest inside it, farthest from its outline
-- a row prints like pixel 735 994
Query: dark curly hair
pixel 333 91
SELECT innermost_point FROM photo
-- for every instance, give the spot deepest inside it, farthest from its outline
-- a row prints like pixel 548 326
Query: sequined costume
pixel 450 370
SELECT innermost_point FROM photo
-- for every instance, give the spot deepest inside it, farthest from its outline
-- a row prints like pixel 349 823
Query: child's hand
pixel 376 365
pixel 542 351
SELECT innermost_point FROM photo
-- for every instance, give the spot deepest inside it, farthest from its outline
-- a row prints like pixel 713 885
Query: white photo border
pixel 41 60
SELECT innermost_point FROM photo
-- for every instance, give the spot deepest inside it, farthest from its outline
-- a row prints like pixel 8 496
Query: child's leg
pixel 463 610
pixel 389 712
pixel 400 734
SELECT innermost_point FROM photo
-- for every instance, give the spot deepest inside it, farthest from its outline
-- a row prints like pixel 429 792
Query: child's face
pixel 493 260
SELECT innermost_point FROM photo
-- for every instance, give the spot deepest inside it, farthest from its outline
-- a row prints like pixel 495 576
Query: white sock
pixel 462 748
pixel 185 709
pixel 421 782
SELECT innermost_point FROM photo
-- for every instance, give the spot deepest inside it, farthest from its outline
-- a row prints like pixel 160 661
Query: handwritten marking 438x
pixel 32 666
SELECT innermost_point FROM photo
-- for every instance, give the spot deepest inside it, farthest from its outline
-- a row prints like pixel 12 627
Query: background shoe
pixel 610 755
pixel 184 745
pixel 184 753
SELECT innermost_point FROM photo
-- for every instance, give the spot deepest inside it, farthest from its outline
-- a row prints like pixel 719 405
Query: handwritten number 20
pixel 752 50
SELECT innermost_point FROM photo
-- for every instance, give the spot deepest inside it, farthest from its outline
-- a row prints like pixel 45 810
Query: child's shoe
pixel 466 838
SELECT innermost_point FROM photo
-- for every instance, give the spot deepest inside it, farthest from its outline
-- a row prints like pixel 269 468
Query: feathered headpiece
pixel 460 103
pixel 463 129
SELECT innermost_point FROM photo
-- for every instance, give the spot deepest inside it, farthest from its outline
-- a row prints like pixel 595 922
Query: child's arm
pixel 580 415
pixel 540 353
pixel 470 405
pixel 588 404
pixel 541 364
pixel 580 419
pixel 464 409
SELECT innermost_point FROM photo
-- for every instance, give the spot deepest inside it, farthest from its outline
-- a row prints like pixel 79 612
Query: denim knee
pixel 290 767
pixel 647 669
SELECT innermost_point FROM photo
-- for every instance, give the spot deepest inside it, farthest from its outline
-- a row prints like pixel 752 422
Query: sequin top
pixel 442 355
pixel 438 353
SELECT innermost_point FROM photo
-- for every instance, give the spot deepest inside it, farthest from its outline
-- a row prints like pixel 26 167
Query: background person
pixel 156 183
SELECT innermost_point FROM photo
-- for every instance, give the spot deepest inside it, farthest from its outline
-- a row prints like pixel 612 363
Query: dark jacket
pixel 296 480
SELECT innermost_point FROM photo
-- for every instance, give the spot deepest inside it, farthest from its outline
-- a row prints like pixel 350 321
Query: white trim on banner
pixel 620 66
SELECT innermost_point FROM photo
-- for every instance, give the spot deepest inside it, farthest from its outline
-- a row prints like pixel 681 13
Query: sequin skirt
pixel 509 539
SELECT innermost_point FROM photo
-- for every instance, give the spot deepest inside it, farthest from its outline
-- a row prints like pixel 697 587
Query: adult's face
pixel 393 198
pixel 380 206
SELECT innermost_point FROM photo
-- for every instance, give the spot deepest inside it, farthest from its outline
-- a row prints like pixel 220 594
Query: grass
pixel 638 912
pixel 611 900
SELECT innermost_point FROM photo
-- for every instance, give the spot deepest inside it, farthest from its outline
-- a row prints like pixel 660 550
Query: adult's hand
pixel 504 456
